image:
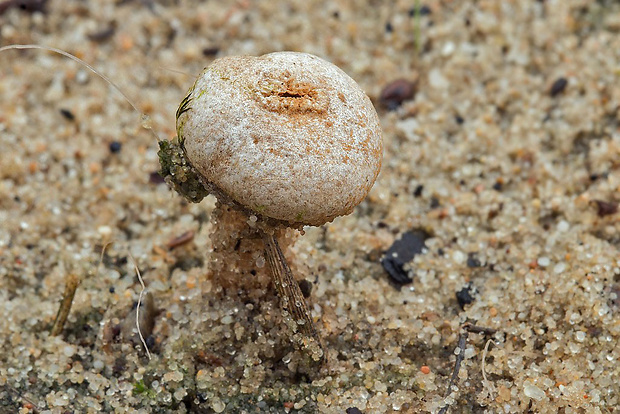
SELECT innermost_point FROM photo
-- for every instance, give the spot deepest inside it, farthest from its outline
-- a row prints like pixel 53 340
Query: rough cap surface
pixel 287 135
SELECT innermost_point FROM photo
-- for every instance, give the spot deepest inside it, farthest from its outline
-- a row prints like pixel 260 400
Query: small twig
pixel 138 307
pixel 72 282
pixel 35 406
pixel 457 367
pixel 485 381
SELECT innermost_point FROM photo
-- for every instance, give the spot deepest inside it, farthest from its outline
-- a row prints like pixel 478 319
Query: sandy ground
pixel 507 158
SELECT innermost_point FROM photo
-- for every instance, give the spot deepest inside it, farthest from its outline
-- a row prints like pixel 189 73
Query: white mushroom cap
pixel 286 135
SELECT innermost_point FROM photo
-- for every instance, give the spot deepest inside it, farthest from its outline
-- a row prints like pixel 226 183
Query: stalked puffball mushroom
pixel 283 140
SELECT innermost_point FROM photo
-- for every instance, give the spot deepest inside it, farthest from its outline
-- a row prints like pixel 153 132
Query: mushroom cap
pixel 286 135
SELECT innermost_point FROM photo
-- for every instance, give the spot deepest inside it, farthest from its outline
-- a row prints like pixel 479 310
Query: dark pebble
pixel 558 87
pixel 150 341
pixel 306 288
pixel 435 203
pixel 389 28
pixel 424 11
pixel 67 114
pixel 353 410
pixel 115 147
pixel 210 51
pixel 382 225
pixel 418 190
pixel 606 208
pixel 464 296
pixel 472 260
pixel 401 252
pixel 396 92
pixel 459 119
pixel 497 186
pixel 103 35
pixel 30 6
pixel 119 366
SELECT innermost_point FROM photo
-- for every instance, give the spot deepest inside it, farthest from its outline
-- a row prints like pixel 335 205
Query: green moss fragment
pixel 178 173
pixel 139 387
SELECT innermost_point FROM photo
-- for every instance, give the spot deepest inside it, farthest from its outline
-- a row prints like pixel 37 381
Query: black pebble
pixel 435 203
pixel 472 260
pixel 306 288
pixel 382 225
pixel 464 296
pixel 210 51
pixel 353 410
pixel 115 147
pixel 150 341
pixel 459 119
pixel 418 191
pixel 67 114
pixel 401 252
pixel 26 5
pixel 558 87
pixel 424 11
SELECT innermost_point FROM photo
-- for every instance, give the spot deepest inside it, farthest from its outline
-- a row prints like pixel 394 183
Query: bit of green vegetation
pixel 178 173
pixel 140 388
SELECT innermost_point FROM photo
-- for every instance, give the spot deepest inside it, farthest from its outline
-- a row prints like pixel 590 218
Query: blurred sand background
pixel 507 157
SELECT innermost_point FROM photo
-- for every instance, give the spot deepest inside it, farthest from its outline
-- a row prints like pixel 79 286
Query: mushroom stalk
pixel 238 262
pixel 292 300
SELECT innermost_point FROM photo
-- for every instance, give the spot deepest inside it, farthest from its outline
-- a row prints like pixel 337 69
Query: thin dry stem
pixel 35 406
pixel 291 298
pixel 457 368
pixel 146 120
pixel 71 284
pixel 485 382
pixel 148 354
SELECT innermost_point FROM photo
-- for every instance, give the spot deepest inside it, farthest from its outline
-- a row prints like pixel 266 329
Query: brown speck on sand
pixel 605 208
pixel 396 92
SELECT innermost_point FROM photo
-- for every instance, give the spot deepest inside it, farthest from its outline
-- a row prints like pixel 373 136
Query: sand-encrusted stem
pixel 291 298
